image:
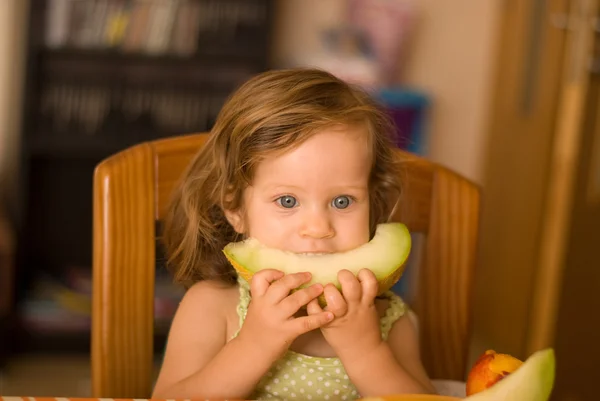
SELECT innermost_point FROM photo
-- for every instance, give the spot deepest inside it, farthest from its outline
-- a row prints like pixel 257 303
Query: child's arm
pixel 394 366
pixel 200 363
pixel 376 367
pixel 403 340
pixel 198 360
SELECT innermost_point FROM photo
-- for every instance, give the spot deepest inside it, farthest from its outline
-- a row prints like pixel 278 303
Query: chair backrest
pixel 131 191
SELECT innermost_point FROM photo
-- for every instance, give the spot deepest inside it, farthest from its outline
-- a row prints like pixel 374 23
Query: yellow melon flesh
pixel 385 255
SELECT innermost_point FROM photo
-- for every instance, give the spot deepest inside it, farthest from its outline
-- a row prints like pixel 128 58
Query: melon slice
pixel 385 255
pixel 532 381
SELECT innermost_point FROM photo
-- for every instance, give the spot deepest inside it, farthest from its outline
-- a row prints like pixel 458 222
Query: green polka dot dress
pixel 303 377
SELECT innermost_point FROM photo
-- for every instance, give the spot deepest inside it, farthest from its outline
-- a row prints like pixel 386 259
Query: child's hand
pixel 355 330
pixel 270 322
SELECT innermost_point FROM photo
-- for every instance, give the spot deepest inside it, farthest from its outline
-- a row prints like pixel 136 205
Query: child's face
pixel 314 198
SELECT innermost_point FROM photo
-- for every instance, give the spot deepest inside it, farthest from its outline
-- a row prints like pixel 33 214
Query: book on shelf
pixel 151 27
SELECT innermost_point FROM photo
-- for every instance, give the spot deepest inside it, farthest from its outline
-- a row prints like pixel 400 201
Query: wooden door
pixel 576 324
pixel 566 164
pixel 538 280
pixel 521 131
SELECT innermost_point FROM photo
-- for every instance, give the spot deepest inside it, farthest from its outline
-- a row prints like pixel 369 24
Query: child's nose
pixel 316 224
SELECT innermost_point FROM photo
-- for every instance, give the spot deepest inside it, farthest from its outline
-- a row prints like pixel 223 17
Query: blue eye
pixel 287 201
pixel 342 202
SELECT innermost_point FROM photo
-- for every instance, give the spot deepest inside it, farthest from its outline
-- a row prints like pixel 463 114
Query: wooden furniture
pixel 131 191
pixel 89 94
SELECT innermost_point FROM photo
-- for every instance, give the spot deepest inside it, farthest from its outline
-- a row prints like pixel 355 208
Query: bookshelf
pixel 103 75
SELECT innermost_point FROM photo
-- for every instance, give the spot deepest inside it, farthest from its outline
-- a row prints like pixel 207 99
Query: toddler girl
pixel 303 162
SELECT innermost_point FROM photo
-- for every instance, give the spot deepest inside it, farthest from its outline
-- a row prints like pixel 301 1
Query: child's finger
pixel 311 322
pixel 313 307
pixel 299 298
pixel 351 288
pixel 369 284
pixel 262 280
pixel 281 288
pixel 335 301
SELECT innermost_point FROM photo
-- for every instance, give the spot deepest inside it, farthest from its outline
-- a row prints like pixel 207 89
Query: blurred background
pixel 504 92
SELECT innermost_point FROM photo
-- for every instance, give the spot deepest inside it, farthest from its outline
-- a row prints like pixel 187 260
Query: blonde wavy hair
pixel 272 112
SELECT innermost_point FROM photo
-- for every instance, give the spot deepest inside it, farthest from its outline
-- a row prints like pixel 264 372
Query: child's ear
pixel 236 219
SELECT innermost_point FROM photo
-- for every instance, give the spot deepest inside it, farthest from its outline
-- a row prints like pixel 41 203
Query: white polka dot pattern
pixel 298 376
pixel 320 379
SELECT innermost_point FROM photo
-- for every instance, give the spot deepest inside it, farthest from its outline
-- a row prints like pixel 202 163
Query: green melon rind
pixel 533 381
pixel 385 255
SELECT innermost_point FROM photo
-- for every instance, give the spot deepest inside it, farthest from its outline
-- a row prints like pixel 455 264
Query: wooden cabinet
pixel 103 75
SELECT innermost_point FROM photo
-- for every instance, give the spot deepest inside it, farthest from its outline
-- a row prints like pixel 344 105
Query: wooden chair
pixel 131 191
